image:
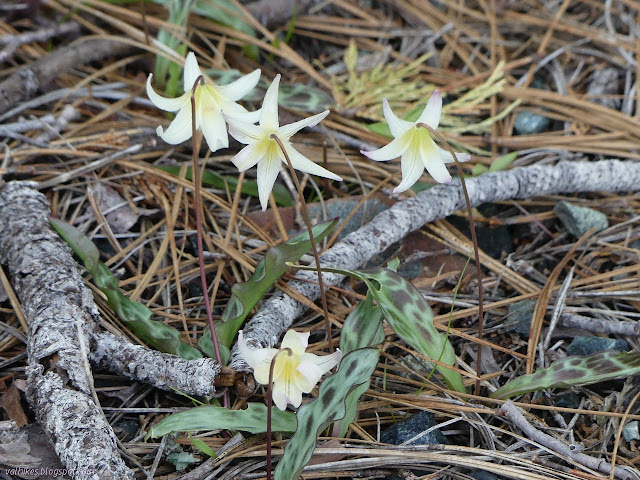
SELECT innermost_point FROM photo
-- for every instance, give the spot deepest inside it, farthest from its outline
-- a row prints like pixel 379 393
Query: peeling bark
pixel 62 314
pixel 279 311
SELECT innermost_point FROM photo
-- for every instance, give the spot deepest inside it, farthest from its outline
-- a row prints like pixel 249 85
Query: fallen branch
pixel 63 320
pixel 29 80
pixel 562 449
pixel 279 311
pixel 12 42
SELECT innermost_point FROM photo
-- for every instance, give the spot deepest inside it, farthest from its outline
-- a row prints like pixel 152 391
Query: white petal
pixel 180 128
pixel 268 170
pixel 286 393
pixel 287 131
pixel 191 71
pixel 249 156
pixel 397 126
pixel 432 158
pixel 390 151
pixel 234 91
pixel 269 116
pixel 431 114
pixel 297 342
pixel 448 158
pixel 243 132
pixel 313 367
pixel 255 357
pixel 213 126
pixel 164 103
pixel 302 163
pixel 412 168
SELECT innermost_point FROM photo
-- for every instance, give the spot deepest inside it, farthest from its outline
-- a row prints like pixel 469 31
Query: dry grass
pixel 561 43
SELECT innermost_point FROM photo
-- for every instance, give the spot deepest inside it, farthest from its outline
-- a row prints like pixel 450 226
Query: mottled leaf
pixel 574 371
pixel 245 296
pixel 363 326
pixel 136 316
pixel 249 187
pixel 410 316
pixel 211 417
pixel 354 370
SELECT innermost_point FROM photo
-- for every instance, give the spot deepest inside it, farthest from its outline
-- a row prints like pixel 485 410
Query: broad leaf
pixel 574 371
pixel 246 295
pixel 410 316
pixel 211 417
pixel 363 327
pixel 355 369
pixel 136 316
pixel 249 187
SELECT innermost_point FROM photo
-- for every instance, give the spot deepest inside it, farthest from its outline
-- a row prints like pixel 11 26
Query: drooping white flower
pixel 211 101
pixel 295 372
pixel 415 146
pixel 263 150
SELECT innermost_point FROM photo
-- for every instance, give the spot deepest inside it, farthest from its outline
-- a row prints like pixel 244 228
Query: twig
pixel 12 42
pixel 598 325
pixel 560 448
pixel 388 227
pixel 27 81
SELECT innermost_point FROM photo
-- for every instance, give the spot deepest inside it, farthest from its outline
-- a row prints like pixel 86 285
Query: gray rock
pixel 519 317
pixel 579 220
pixel 528 123
pixel 591 345
pixel 400 432
pixel 630 431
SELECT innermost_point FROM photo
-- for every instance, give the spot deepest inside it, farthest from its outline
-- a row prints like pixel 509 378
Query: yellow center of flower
pixel 286 365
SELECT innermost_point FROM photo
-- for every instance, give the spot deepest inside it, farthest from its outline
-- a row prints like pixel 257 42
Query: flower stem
pixel 199 229
pixel 314 247
pixel 270 406
pixel 476 253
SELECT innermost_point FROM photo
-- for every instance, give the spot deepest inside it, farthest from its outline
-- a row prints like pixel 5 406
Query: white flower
pixel 211 102
pixel 294 373
pixel 263 150
pixel 415 145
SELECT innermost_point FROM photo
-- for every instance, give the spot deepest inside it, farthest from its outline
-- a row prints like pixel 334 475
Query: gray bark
pixel 62 314
pixel 279 311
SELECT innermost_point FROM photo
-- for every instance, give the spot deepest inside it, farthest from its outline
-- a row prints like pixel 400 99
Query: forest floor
pixel 524 82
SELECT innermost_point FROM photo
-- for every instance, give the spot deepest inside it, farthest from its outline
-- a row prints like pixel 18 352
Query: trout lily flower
pixel 264 151
pixel 295 372
pixel 211 101
pixel 415 146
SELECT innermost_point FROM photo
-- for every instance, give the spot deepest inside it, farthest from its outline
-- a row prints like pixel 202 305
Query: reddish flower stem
pixel 199 229
pixel 476 252
pixel 314 247
pixel 270 407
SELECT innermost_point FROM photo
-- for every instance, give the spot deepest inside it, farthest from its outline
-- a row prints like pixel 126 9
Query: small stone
pixel 584 346
pixel 519 317
pixel 579 220
pixel 408 428
pixel 528 123
pixel 410 270
pixel 630 431
pixel 567 400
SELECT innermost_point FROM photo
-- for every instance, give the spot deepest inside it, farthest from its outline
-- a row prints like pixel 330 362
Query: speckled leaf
pixel 363 326
pixel 355 369
pixel 574 371
pixel 136 316
pixel 244 296
pixel 211 417
pixel 249 187
pixel 410 316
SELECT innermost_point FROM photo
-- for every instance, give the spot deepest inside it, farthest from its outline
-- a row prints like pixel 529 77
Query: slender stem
pixel 476 253
pixel 314 247
pixel 196 192
pixel 270 406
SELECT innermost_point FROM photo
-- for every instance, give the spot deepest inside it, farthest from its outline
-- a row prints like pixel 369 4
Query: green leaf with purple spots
pixel 574 371
pixel 355 369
